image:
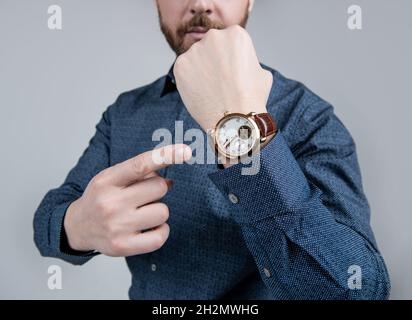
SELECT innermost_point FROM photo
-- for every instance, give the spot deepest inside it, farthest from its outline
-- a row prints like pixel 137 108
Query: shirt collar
pixel 170 82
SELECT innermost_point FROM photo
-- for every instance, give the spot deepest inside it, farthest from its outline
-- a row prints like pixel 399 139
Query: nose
pixel 201 6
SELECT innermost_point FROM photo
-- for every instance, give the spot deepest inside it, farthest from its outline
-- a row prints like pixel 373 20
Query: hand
pixel 222 73
pixel 121 202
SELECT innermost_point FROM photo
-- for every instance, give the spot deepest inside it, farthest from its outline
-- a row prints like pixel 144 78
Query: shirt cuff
pixel 58 239
pixel 277 184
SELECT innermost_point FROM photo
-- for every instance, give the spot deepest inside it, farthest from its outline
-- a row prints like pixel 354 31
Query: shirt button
pixel 233 198
pixel 153 267
pixel 267 272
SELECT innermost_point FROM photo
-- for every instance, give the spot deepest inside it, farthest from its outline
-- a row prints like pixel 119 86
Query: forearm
pixel 311 255
pixel 49 231
pixel 296 234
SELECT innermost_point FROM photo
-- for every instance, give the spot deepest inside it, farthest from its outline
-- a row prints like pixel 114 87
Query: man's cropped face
pixel 183 22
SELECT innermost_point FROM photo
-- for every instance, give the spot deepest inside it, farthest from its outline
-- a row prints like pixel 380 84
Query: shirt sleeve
pixel 304 216
pixel 49 235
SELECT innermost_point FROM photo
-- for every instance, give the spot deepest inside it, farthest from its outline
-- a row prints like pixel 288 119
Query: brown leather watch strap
pixel 266 124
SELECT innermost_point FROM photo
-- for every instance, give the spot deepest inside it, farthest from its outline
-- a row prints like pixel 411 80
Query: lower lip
pixel 196 35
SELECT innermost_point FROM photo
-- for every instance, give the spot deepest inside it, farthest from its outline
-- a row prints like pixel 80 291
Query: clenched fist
pixel 119 213
pixel 222 73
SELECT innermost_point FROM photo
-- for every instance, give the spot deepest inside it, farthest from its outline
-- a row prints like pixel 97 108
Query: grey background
pixel 54 85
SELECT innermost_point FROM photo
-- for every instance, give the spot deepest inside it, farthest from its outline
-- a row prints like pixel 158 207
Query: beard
pixel 176 39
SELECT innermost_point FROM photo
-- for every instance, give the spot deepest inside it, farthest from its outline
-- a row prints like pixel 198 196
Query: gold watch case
pixel 214 134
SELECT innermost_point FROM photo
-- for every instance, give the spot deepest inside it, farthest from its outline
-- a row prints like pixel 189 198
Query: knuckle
pixel 139 166
pixel 237 29
pixel 99 180
pixel 212 33
pixel 240 32
pixel 100 204
pixel 106 206
pixel 117 246
pixel 232 28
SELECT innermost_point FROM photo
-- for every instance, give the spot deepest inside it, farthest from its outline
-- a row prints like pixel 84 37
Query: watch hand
pixel 228 142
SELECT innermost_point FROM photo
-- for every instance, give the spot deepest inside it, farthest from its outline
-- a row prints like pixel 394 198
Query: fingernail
pixel 169 183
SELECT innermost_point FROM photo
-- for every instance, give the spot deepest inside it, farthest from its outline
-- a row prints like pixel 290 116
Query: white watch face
pixel 236 136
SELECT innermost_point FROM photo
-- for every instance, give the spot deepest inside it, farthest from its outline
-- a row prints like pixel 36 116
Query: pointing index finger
pixel 134 169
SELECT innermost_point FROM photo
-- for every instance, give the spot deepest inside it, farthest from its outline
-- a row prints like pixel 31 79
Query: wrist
pixel 74 241
pixel 238 136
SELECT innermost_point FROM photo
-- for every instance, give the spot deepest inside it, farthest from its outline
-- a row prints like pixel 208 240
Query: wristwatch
pixel 237 135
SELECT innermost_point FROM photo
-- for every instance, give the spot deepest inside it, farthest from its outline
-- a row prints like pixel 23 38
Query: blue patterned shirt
pixel 299 228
